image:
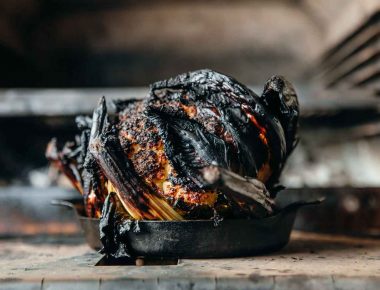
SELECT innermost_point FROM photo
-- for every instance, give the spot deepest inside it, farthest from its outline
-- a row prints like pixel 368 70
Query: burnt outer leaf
pixel 137 199
pixel 105 148
pixel 65 160
pixel 251 141
pixel 280 99
pixel 188 145
pixel 112 238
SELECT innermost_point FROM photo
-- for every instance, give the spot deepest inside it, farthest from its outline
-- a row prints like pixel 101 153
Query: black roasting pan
pixel 198 238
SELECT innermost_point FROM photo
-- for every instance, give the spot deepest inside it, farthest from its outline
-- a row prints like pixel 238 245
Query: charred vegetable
pixel 201 145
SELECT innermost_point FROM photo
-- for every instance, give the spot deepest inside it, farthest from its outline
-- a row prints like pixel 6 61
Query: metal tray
pixel 198 238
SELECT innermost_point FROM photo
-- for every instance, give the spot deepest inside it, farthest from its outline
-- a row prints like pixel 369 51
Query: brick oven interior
pixel 57 58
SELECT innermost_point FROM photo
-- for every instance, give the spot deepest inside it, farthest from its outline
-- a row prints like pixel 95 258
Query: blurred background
pixel 58 57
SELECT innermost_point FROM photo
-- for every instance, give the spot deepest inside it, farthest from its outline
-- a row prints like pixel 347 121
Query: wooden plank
pixel 71 284
pixel 175 284
pixel 307 255
pixel 275 283
pixel 352 283
pixel 204 284
pixel 253 281
pixel 130 284
pixel 19 285
pixel 303 282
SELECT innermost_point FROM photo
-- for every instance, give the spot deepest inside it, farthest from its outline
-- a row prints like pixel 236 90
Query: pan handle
pixel 64 203
pixel 298 204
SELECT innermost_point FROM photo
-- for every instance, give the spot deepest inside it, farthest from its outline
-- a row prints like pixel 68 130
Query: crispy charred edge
pixel 209 87
pixel 205 81
pixel 94 190
pixel 135 197
pixel 171 132
pixel 77 165
pixel 280 99
pixel 64 160
pixel 120 105
pixel 111 234
pixel 246 189
pixel 227 95
pixel 271 130
pixel 172 125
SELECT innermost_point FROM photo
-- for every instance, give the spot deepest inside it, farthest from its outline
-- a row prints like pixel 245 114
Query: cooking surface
pixel 310 260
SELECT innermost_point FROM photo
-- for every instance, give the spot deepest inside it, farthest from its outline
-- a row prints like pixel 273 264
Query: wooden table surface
pixel 310 261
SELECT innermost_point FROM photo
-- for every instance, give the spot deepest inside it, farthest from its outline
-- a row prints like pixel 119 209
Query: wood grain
pixel 310 261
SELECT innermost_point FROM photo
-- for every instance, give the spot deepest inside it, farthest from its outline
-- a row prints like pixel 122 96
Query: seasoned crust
pixel 144 147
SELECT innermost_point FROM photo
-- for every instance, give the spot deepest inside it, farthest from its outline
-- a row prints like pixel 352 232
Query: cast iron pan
pixel 198 238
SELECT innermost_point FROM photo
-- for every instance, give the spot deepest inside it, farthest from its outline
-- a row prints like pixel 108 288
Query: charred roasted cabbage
pixel 201 145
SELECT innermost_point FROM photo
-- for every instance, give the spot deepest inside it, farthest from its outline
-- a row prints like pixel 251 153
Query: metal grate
pixel 355 61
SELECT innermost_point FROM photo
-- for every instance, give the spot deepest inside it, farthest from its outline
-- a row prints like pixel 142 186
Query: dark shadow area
pixel 104 261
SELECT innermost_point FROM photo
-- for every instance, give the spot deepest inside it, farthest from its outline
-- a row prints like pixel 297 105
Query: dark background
pixel 57 43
